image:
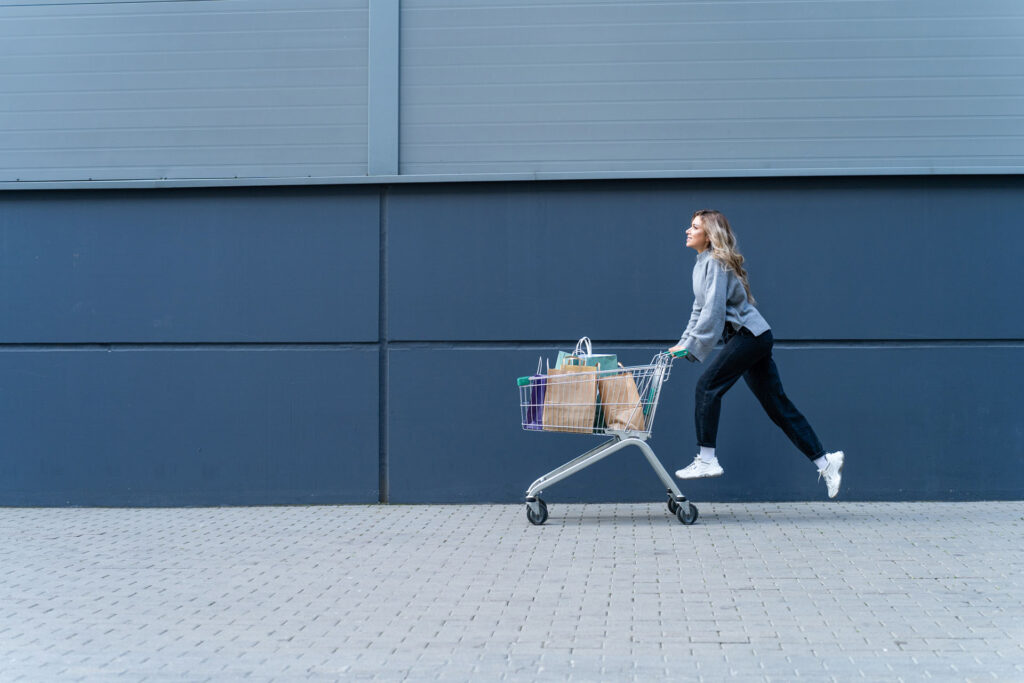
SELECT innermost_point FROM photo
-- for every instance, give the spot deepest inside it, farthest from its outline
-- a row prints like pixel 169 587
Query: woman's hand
pixel 678 351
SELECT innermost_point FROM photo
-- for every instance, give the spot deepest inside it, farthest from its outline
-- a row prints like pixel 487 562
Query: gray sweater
pixel 718 298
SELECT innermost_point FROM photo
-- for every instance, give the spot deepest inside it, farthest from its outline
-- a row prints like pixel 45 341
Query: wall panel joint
pixel 382 114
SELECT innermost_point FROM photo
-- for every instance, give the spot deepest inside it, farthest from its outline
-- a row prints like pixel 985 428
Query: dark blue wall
pixel 866 258
pixel 229 346
pixel 251 265
pixel 916 424
pixel 189 347
pixel 172 426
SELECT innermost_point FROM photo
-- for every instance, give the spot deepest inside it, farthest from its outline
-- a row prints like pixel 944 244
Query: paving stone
pixel 833 591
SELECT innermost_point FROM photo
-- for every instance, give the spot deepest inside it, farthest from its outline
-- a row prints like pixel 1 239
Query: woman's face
pixel 696 238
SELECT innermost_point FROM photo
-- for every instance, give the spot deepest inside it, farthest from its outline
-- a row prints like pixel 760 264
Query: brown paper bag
pixel 620 402
pixel 570 401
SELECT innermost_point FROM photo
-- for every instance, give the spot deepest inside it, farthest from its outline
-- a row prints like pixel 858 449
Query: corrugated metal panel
pixel 123 91
pixel 737 88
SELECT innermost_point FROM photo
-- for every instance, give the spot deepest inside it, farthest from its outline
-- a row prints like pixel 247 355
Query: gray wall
pixel 123 91
pixel 244 346
pixel 268 92
pixel 712 88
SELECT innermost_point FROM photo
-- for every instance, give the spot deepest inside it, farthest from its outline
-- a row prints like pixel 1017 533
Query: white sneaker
pixel 833 473
pixel 699 469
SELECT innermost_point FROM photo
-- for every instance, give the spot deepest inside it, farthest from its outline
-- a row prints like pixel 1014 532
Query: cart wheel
pixel 684 517
pixel 672 506
pixel 537 519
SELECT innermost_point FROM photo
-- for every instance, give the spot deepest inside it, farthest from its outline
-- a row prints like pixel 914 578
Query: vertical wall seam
pixel 383 88
pixel 384 343
pixel 384 37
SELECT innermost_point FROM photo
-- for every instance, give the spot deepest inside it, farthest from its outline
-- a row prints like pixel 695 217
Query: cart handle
pixel 681 353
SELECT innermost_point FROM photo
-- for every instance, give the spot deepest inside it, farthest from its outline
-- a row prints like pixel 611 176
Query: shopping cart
pixel 618 403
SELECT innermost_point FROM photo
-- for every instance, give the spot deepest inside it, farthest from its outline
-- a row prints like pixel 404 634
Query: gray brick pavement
pixel 765 592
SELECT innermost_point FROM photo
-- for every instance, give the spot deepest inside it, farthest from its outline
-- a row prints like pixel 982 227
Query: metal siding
pixel 194 90
pixel 242 265
pixel 724 87
pixel 168 423
pixel 905 417
pixel 382 129
pixel 173 426
pixel 829 258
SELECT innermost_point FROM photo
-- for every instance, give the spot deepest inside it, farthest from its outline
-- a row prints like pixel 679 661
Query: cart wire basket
pixel 581 399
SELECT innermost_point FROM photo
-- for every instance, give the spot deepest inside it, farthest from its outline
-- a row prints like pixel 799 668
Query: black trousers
pixel 750 357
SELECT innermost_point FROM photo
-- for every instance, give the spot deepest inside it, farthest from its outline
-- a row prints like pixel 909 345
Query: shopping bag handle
pixel 583 347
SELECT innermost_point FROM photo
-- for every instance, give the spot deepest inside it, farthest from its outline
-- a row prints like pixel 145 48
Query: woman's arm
pixel 703 333
pixel 694 316
pixel 681 346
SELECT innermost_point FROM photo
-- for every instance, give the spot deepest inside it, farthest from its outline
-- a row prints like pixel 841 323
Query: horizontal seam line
pixel 504 344
pixel 395 344
pixel 227 346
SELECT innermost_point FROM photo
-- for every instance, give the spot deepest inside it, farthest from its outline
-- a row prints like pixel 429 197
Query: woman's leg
pixel 763 379
pixel 741 352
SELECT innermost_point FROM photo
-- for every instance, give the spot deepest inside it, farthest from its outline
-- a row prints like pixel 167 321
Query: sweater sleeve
pixel 694 316
pixel 702 334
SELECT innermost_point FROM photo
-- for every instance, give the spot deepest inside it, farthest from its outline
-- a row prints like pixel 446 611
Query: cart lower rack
pixel 618 403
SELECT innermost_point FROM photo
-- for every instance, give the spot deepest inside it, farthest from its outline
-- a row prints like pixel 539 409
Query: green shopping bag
pixel 603 361
pixel 584 350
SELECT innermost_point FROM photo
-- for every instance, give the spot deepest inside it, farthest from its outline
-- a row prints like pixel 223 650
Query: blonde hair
pixel 723 244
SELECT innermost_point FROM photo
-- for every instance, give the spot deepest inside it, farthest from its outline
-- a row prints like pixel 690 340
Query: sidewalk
pixel 826 591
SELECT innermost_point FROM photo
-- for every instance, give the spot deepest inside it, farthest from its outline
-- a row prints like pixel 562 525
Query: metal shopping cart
pixel 619 403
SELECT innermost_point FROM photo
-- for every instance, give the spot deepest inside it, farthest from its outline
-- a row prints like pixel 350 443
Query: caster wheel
pixel 540 518
pixel 672 506
pixel 687 514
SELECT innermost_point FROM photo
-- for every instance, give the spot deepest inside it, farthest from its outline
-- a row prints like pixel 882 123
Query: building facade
pixel 262 252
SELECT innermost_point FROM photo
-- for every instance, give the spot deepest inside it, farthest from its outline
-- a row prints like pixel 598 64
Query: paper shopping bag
pixel 570 399
pixel 620 402
pixel 600 363
pixel 584 355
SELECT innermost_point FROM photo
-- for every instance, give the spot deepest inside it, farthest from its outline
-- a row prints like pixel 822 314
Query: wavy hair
pixel 723 244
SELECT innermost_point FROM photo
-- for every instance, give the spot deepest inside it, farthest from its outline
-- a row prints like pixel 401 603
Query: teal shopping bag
pixel 603 361
pixel 584 350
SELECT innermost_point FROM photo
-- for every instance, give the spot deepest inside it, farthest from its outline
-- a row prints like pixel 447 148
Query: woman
pixel 724 308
